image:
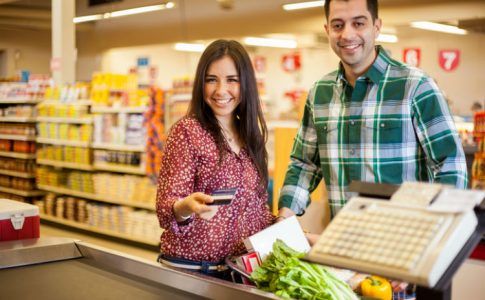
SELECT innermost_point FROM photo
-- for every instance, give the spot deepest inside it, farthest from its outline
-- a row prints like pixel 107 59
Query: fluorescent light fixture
pixel 438 27
pixel 303 5
pixel 126 12
pixel 87 18
pixel 189 47
pixel 265 42
pixel 140 10
pixel 387 38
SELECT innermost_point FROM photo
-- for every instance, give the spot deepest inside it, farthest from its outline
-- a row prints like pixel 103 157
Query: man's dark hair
pixel 372 7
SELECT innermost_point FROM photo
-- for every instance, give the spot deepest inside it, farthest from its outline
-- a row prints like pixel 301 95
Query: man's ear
pixel 326 27
pixel 378 26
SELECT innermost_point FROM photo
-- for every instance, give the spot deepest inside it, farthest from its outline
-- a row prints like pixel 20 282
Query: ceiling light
pixel 140 10
pixel 126 12
pixel 189 47
pixel 87 18
pixel 303 5
pixel 387 38
pixel 265 42
pixel 438 27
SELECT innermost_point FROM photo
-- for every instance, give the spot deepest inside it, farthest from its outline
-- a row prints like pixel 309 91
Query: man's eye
pixel 359 24
pixel 337 26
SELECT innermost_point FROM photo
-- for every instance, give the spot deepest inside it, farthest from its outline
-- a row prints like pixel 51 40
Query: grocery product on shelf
pixel 154 122
pixel 17 135
pixel 110 219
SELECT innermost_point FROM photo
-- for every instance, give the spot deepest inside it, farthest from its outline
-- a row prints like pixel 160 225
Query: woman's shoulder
pixel 189 126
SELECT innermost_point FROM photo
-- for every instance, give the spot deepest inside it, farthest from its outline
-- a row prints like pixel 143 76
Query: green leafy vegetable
pixel 284 274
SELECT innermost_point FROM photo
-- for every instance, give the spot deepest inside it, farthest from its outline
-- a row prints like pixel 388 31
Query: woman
pixel 220 144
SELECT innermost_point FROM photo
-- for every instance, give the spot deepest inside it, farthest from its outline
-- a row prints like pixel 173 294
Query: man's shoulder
pixel 328 78
pixel 400 69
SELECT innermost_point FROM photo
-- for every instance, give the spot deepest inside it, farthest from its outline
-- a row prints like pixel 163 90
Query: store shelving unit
pixel 129 237
pixel 91 196
pixel 64 164
pixel 17 157
pixel 176 107
pixel 96 113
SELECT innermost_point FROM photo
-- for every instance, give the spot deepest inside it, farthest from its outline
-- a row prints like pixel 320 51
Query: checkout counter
pixel 60 268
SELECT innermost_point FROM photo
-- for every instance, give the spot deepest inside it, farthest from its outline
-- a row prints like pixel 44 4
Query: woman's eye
pixel 233 80
pixel 210 80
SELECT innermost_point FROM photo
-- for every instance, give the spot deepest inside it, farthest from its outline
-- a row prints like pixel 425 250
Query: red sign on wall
pixel 412 56
pixel 449 59
pixel 259 64
pixel 291 62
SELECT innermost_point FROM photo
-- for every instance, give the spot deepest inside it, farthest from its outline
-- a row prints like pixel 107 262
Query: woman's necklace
pixel 229 137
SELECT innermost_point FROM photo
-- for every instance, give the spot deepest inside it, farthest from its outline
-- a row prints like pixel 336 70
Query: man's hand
pixel 284 213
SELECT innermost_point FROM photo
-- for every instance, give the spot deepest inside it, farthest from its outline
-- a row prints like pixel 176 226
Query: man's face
pixel 352 33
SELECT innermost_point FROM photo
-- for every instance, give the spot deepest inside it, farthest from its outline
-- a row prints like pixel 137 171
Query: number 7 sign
pixel 449 59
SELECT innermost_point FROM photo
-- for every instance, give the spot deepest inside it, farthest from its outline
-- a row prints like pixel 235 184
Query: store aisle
pixel 47 230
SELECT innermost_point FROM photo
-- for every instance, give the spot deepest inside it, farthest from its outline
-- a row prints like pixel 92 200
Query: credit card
pixel 223 196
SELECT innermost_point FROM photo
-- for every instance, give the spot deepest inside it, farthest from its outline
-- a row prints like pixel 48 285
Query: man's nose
pixel 348 32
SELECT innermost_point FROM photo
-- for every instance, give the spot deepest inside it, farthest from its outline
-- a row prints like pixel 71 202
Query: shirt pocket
pixel 384 132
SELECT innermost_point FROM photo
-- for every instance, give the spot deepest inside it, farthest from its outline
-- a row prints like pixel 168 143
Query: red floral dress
pixel 190 164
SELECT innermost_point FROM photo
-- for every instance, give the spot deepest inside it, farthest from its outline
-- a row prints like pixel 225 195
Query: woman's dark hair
pixel 372 7
pixel 250 124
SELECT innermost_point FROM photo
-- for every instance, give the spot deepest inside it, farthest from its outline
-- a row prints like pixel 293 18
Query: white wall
pixel 462 86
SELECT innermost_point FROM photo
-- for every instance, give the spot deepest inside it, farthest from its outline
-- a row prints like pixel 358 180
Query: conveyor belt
pixel 67 269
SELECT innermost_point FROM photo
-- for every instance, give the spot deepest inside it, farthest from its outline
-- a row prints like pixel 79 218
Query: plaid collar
pixel 376 70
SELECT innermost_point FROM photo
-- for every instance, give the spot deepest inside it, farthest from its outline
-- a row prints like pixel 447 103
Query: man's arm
pixel 303 174
pixel 437 135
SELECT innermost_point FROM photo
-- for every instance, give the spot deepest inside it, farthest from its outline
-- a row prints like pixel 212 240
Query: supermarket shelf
pixel 110 109
pixel 119 168
pixel 119 147
pixel 18 119
pixel 86 120
pixel 91 196
pixel 180 97
pixel 17 155
pixel 125 236
pixel 77 102
pixel 73 143
pixel 17 137
pixel 17 174
pixel 64 164
pixel 19 101
pixel 21 192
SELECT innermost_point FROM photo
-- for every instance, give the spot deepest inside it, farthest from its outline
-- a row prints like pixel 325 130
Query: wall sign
pixel 449 59
pixel 412 56
pixel 291 62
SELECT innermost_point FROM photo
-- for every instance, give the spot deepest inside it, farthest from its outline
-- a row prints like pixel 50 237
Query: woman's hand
pixel 194 203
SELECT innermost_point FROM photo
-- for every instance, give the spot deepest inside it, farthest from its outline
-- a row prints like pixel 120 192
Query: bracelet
pixel 184 218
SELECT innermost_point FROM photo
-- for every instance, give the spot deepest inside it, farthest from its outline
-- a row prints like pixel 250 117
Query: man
pixel 374 119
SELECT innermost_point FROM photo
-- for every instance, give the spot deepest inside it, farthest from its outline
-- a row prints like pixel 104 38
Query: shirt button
pixel 383 125
pixel 352 151
pixel 352 122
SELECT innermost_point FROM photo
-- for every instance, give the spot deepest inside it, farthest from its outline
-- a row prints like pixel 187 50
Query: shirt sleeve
pixel 177 174
pixel 304 173
pixel 437 135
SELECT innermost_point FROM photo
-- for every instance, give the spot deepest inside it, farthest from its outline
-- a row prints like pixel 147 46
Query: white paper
pixel 288 230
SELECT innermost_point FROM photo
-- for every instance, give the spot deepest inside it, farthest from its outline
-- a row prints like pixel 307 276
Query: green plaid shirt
pixel 393 126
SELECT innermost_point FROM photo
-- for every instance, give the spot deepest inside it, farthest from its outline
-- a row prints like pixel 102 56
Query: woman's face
pixel 222 87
